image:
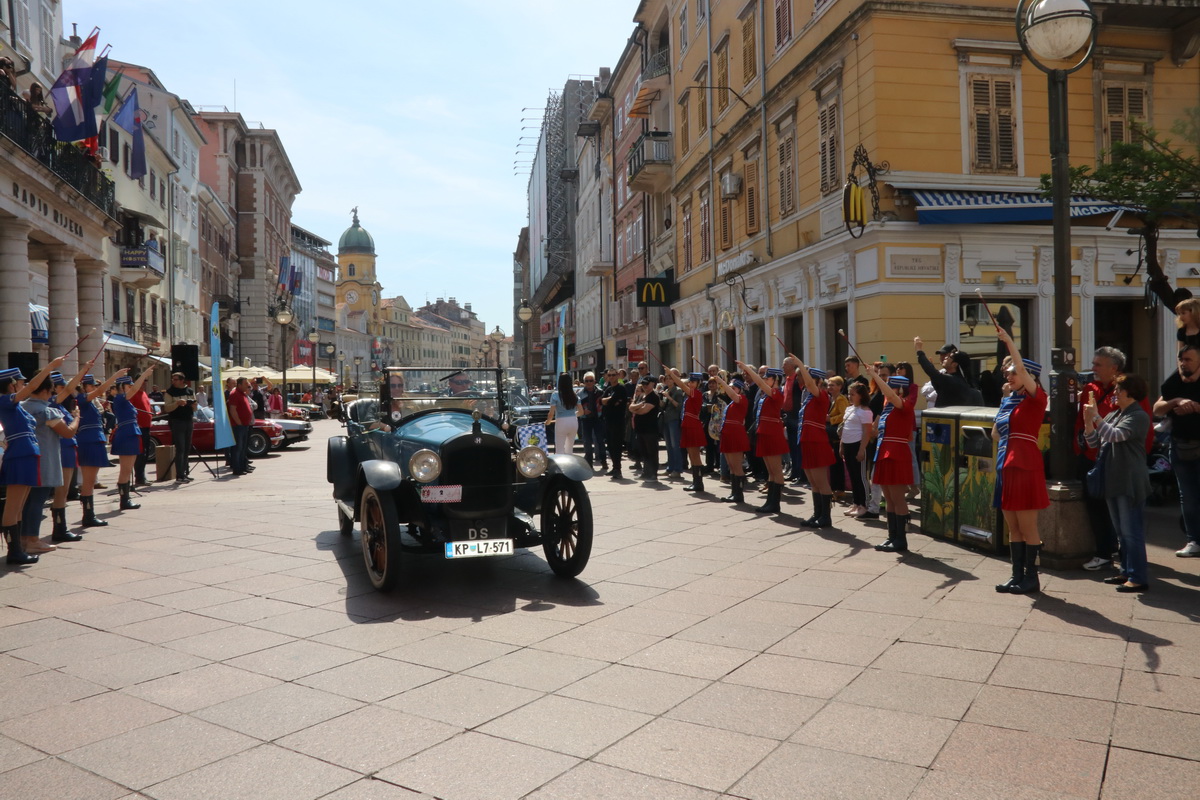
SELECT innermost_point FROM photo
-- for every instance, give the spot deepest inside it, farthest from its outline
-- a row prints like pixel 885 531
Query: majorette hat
pixel 774 372
pixel 817 374
pixel 1032 367
pixel 696 376
pixel 124 380
pixel 898 382
pixel 738 383
pixel 12 374
pixel 89 380
pixel 57 379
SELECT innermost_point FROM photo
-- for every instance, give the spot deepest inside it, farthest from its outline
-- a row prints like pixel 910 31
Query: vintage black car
pixel 435 465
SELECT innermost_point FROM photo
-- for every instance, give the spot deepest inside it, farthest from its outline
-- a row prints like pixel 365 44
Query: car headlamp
pixel 532 461
pixel 424 466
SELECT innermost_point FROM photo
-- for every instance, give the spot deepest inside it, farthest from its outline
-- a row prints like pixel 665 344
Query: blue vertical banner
pixel 222 430
pixel 562 339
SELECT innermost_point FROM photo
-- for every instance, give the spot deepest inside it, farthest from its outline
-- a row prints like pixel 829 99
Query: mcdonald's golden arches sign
pixel 655 292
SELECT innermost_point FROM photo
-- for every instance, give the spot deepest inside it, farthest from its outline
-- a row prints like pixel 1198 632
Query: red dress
pixel 1023 483
pixel 893 456
pixel 770 438
pixel 815 449
pixel 693 432
pixel 733 427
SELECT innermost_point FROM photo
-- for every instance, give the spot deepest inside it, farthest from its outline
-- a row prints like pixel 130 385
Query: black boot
pixel 90 520
pixel 616 469
pixel 126 503
pixel 735 494
pixel 1030 582
pixel 697 484
pixel 818 515
pixel 774 492
pixel 61 533
pixel 1017 551
pixel 826 520
pixel 897 541
pixel 16 554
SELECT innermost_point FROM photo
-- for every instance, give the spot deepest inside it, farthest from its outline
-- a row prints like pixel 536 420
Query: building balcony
pixel 598 265
pixel 32 132
pixel 144 334
pixel 651 162
pixel 657 73
pixel 142 266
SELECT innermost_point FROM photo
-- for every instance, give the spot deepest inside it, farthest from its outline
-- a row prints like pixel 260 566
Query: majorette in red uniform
pixel 771 440
pixel 733 426
pixel 893 455
pixel 815 450
pixel 1023 470
pixel 692 434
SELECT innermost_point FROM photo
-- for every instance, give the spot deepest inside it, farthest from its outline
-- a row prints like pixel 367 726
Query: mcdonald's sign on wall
pixel 655 292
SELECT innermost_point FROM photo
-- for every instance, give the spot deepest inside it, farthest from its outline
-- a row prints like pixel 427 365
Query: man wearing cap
pixel 180 405
pixel 951 385
pixel 19 471
pixel 645 408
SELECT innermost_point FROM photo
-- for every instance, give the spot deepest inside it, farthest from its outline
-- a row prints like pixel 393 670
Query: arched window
pixel 351 271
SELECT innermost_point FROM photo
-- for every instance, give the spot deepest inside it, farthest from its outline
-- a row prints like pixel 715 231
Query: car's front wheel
pixel 567 527
pixel 380 538
pixel 257 444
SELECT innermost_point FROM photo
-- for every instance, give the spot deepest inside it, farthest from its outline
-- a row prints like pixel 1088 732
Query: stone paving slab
pixel 223 642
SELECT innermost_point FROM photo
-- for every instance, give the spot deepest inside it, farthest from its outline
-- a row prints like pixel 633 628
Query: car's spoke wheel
pixel 380 538
pixel 257 444
pixel 567 527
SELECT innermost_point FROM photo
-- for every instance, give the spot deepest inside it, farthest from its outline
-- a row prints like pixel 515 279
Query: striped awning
pixel 120 343
pixel 640 107
pixel 951 207
pixel 39 323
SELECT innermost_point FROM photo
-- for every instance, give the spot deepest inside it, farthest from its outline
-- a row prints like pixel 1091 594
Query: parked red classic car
pixel 264 436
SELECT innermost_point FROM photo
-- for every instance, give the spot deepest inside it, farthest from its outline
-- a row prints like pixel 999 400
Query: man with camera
pixel 179 401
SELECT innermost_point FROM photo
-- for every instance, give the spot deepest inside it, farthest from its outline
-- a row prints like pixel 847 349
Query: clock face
pixel 351 297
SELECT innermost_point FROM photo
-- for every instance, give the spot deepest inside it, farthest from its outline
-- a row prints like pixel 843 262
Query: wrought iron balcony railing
pixel 32 132
pixel 658 64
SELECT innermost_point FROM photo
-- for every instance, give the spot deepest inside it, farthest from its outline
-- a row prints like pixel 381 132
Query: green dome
pixel 356 239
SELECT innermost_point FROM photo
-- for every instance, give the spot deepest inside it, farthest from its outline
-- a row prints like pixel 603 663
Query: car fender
pixel 381 475
pixel 571 466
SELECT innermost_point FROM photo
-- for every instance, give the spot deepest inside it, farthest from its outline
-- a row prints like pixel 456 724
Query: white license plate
pixel 441 494
pixel 479 547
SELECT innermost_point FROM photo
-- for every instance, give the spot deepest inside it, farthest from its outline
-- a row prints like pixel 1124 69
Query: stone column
pixel 64 301
pixel 89 283
pixel 15 331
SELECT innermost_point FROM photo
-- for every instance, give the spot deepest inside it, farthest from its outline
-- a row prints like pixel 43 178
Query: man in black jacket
pixel 613 403
pixel 952 382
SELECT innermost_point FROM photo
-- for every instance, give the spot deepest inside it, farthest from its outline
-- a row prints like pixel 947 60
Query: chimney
pixel 467 306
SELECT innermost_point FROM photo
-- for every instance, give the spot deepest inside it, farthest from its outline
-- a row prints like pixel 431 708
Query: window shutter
pixel 1006 128
pixel 683 126
pixel 749 54
pixel 21 26
pixel 702 105
pixel 723 78
pixel 827 119
pixel 705 229
pixel 726 224
pixel 783 22
pixel 687 239
pixel 50 61
pixel 751 178
pixel 787 197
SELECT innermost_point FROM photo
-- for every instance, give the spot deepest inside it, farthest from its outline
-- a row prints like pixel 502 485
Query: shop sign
pixel 915 265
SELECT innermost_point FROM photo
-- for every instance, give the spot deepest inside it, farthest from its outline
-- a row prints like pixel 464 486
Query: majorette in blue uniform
pixel 127 438
pixel 21 453
pixel 93 449
pixel 68 446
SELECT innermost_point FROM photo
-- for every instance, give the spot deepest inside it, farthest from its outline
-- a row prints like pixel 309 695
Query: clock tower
pixel 357 285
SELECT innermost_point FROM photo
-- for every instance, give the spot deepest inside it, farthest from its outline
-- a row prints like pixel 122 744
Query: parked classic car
pixel 265 434
pixel 294 430
pixel 441 471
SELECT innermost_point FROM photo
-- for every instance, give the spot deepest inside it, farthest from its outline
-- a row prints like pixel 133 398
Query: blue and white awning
pixel 956 208
pixel 39 323
pixel 120 343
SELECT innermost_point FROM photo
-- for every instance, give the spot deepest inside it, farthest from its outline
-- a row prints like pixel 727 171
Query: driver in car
pixel 398 407
pixel 458 384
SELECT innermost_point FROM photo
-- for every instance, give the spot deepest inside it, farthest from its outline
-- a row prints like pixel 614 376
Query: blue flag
pixel 129 118
pixel 222 430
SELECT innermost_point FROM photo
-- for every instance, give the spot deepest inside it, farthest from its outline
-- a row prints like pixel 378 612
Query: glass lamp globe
pixel 284 316
pixel 1057 29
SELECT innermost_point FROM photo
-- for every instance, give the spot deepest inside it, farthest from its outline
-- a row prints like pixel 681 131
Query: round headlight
pixel 531 461
pixel 424 466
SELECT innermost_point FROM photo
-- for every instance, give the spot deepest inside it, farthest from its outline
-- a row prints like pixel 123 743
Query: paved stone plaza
pixel 223 642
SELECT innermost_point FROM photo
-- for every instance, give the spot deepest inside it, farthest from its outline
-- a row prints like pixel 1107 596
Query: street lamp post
pixel 497 337
pixel 341 366
pixel 1056 31
pixel 357 363
pixel 524 314
pixel 284 316
pixel 313 338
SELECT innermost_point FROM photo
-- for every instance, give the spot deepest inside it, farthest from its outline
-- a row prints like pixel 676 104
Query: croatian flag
pixel 73 96
pixel 284 263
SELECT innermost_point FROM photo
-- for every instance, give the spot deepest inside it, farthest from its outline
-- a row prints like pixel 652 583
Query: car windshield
pixel 409 391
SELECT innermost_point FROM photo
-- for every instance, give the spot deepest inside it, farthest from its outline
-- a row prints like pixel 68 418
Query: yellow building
pixel 768 102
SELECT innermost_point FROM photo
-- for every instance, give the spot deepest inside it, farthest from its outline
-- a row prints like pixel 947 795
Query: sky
pixel 409 110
